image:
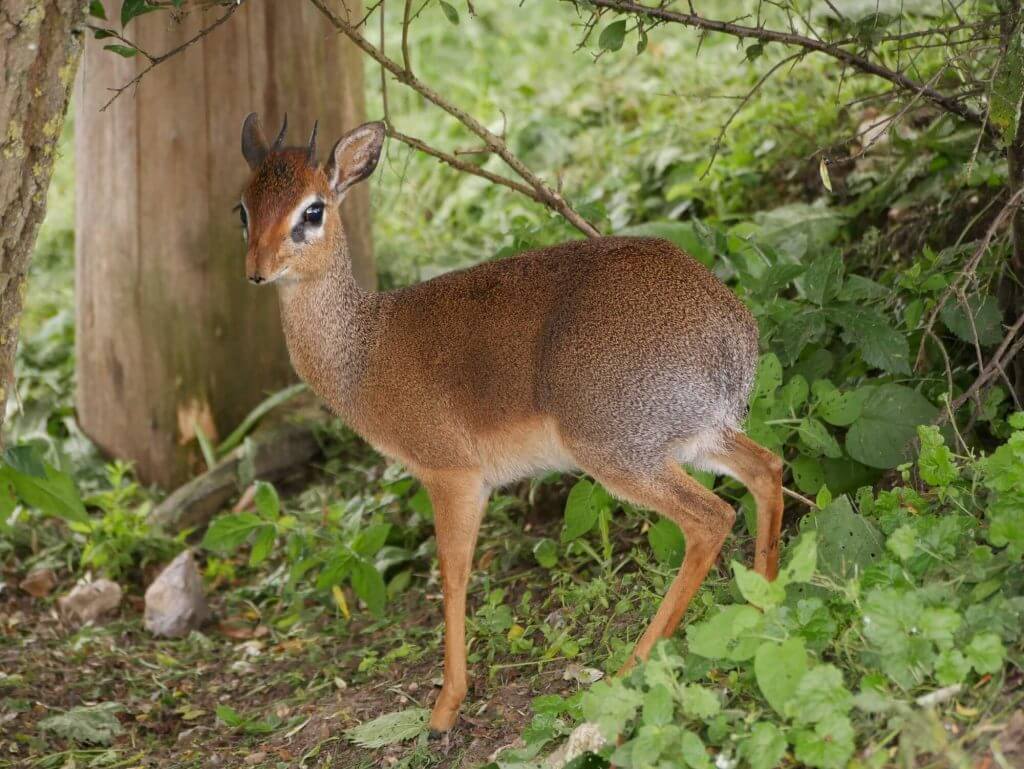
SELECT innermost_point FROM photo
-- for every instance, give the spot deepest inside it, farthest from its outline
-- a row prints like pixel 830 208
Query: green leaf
pixel 132 8
pixel 369 586
pixel 778 668
pixel 229 716
pixel 824 278
pixel 988 320
pixel 55 494
pixel 828 746
pixel 667 542
pixel 756 589
pixel 802 562
pixel 727 634
pixel 267 502
pixel 888 422
pixel 390 728
pixel 546 553
pixel 25 460
pixel 612 36
pixel 903 542
pixel 879 344
pixel 846 543
pixel 96 9
pixel 262 545
pixel 228 532
pixel 658 706
pixel 125 51
pixel 935 461
pixel 985 653
pixel 819 693
pixel 586 501
pixel 692 751
pixel 420 503
pixel 699 702
pixel 951 667
pixel 449 12
pixel 370 540
pixel 684 235
pixel 1007 89
pixel 839 408
pixel 769 376
pixel 611 705
pixel 93 724
pixel 753 52
pixel 816 437
pixel 765 746
pixel 264 407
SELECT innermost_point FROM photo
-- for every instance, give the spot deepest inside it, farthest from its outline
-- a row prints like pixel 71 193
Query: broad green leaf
pixel 818 440
pixel 449 12
pixel 92 724
pixel 262 545
pixel 808 474
pixel 935 461
pixel 124 51
pixel 769 376
pixel 778 668
pixel 586 501
pixel 819 693
pixel 985 653
pixel 829 745
pixel 839 408
pixel 369 586
pixel 390 728
pixel 727 634
pixel 612 36
pixel 693 753
pixel 546 553
pixel 267 502
pixel 824 278
pixel 987 320
pixel 765 746
pixel 802 562
pixel 871 333
pixel 420 503
pixel 611 705
pixel 228 532
pixel 25 460
pixel 132 8
pixel 658 706
pixel 667 542
pixel 846 543
pixel 96 9
pixel 756 589
pixel 55 494
pixel 699 702
pixel 371 539
pixel 888 422
pixel 951 667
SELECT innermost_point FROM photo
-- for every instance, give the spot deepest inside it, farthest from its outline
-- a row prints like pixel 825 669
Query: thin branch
pixel 948 103
pixel 157 60
pixel 1006 351
pixel 495 143
pixel 406 58
pixel 383 72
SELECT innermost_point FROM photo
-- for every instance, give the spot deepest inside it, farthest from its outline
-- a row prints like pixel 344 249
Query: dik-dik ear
pixel 354 157
pixel 254 143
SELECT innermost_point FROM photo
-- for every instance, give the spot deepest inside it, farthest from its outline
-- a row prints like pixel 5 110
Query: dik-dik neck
pixel 329 324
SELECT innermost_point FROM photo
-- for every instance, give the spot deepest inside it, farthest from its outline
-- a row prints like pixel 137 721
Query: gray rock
pixel 175 604
pixel 89 601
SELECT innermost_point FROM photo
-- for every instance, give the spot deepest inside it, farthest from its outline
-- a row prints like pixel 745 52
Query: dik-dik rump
pixel 620 357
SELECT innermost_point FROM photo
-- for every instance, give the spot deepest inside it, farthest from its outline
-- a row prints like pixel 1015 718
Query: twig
pixel 406 58
pixel 798 496
pixel 156 60
pixel 809 44
pixel 544 193
pixel 383 72
pixel 1005 352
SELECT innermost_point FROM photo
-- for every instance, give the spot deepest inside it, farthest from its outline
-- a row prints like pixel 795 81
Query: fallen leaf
pixel 39 583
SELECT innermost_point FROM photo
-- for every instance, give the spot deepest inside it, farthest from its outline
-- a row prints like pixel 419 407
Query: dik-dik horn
pixel 619 357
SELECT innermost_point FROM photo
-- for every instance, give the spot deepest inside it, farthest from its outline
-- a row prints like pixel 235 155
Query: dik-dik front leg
pixel 458 499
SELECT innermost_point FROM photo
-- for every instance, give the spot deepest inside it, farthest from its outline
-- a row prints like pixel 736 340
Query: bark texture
pixel 170 334
pixel 40 45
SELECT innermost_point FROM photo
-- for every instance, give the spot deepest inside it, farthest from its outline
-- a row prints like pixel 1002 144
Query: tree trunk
pixel 40 44
pixel 170 334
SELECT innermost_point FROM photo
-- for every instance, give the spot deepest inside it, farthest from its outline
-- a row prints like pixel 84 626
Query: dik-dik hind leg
pixel 705 520
pixel 761 472
pixel 458 499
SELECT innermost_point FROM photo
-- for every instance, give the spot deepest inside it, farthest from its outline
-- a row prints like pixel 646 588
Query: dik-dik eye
pixel 314 214
pixel 243 217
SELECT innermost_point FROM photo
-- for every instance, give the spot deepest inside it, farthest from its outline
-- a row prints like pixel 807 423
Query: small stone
pixel 89 601
pixel 255 758
pixel 414 687
pixel 175 604
pixel 39 583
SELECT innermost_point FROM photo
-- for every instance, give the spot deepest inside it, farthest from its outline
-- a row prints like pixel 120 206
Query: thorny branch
pixel 809 44
pixel 541 191
pixel 156 60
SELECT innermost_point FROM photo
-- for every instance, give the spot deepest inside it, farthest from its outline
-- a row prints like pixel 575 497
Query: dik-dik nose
pixel 256 278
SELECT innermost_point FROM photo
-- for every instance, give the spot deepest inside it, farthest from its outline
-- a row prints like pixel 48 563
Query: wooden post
pixel 169 333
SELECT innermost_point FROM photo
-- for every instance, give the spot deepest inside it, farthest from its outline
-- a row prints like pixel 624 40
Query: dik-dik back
pixel 621 357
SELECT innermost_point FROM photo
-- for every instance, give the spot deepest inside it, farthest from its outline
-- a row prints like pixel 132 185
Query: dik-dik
pixel 620 357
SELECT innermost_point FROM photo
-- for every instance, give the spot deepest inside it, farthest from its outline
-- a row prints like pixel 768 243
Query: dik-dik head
pixel 289 209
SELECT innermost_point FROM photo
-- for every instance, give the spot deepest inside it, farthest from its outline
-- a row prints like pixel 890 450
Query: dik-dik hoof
pixel 442 721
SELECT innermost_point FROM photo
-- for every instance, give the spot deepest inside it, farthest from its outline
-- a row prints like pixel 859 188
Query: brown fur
pixel 618 356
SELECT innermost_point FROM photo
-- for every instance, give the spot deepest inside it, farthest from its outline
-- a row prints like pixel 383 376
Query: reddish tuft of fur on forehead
pixel 279 184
